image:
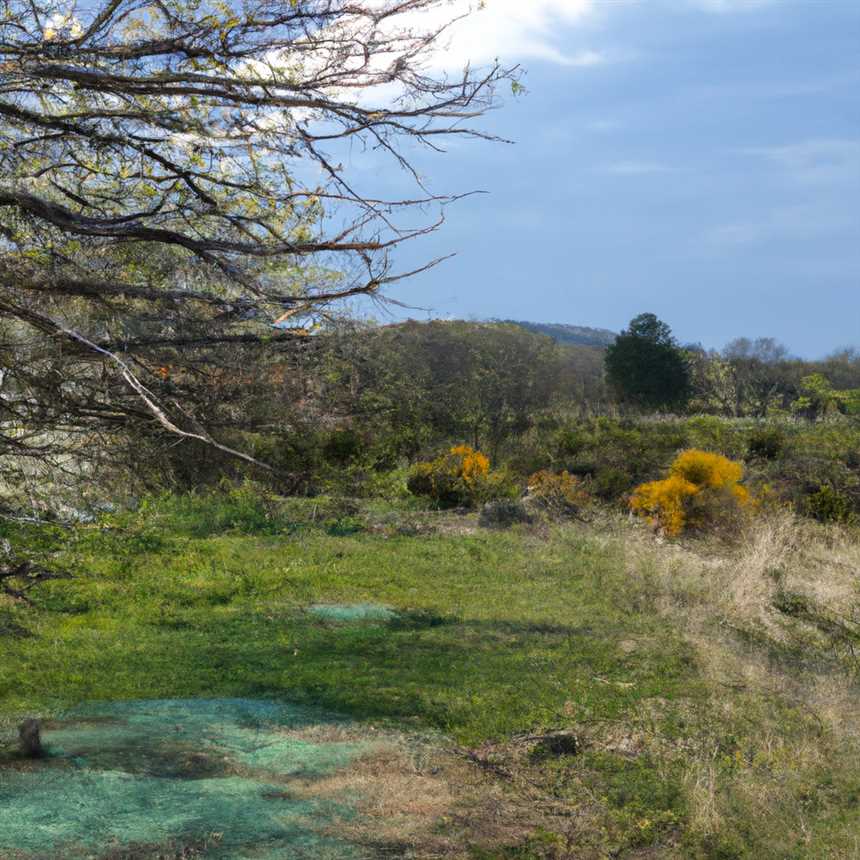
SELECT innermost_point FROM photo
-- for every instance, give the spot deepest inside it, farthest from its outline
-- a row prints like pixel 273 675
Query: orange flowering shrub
pixel 558 492
pixel 459 477
pixel 702 490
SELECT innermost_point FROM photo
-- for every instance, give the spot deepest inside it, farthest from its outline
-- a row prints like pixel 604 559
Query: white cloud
pixel 510 30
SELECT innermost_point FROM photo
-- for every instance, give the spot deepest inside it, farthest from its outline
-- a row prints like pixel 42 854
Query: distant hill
pixel 577 335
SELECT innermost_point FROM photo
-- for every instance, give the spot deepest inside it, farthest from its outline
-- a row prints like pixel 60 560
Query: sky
pixel 698 159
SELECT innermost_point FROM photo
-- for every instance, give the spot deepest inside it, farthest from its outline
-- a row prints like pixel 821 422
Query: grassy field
pixel 607 695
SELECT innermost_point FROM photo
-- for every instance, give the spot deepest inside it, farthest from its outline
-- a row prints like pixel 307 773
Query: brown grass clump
pixel 413 797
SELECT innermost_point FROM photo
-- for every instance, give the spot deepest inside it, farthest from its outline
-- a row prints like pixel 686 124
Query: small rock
pixel 503 514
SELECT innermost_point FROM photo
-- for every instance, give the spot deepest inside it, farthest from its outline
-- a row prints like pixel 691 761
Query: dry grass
pixel 783 675
pixel 414 797
pixel 738 582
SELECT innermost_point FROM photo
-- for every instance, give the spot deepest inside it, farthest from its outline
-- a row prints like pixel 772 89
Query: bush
pixel 828 505
pixel 716 434
pixel 611 484
pixel 503 513
pixel 420 481
pixel 617 454
pixel 702 491
pixel 766 443
pixel 342 446
pixel 705 469
pixel 559 493
pixel 460 478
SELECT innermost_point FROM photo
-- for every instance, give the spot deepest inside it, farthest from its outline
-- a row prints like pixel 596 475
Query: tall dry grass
pixel 789 680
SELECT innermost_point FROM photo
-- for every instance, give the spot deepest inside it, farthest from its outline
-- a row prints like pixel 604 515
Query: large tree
pixel 172 183
pixel 646 367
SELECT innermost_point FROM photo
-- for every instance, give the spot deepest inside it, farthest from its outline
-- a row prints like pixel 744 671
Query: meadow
pixel 586 689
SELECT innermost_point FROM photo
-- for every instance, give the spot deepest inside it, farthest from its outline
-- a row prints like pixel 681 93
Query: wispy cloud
pixel 802 223
pixel 511 30
pixel 603 126
pixel 814 161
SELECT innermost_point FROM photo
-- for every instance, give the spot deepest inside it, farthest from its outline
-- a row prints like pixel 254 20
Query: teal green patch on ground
pixel 211 775
pixel 346 612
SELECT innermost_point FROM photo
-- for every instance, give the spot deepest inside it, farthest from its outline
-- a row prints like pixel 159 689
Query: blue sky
pixel 699 159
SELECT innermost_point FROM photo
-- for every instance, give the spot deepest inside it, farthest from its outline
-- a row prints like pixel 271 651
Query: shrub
pixel 715 434
pixel 664 503
pixel 472 465
pixel 461 477
pixel 503 513
pixel 766 443
pixel 420 480
pixel 618 454
pixel 828 505
pixel 701 491
pixel 342 445
pixel 708 470
pixel 559 493
pixel 611 484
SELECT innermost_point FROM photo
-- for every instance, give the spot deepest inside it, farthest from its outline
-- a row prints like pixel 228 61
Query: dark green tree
pixel 646 367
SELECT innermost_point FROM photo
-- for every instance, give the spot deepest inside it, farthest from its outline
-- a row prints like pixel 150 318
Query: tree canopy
pixel 646 367
pixel 173 182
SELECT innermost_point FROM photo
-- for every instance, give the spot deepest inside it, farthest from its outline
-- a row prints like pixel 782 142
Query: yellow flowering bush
pixel 702 490
pixel 558 492
pixel 459 477
pixel 470 465
pixel 705 469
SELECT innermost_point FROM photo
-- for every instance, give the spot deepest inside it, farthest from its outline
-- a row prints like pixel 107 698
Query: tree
pixel 819 399
pixel 172 184
pixel 762 375
pixel 421 384
pixel 713 383
pixel 646 367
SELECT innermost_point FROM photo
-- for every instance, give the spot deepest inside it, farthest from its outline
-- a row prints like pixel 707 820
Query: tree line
pixel 647 368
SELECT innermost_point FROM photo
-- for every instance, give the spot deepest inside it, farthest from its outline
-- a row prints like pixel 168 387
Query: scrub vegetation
pixel 553 593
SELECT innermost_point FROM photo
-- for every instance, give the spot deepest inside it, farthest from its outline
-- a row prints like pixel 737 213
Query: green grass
pixel 518 626
pixel 500 633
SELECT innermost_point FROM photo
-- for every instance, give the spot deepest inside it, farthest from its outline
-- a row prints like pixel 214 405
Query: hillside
pixel 578 335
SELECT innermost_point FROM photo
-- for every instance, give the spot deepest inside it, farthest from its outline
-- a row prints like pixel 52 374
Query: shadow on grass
pixel 473 679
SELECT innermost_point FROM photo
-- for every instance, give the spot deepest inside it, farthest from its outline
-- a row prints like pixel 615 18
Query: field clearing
pixel 581 690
